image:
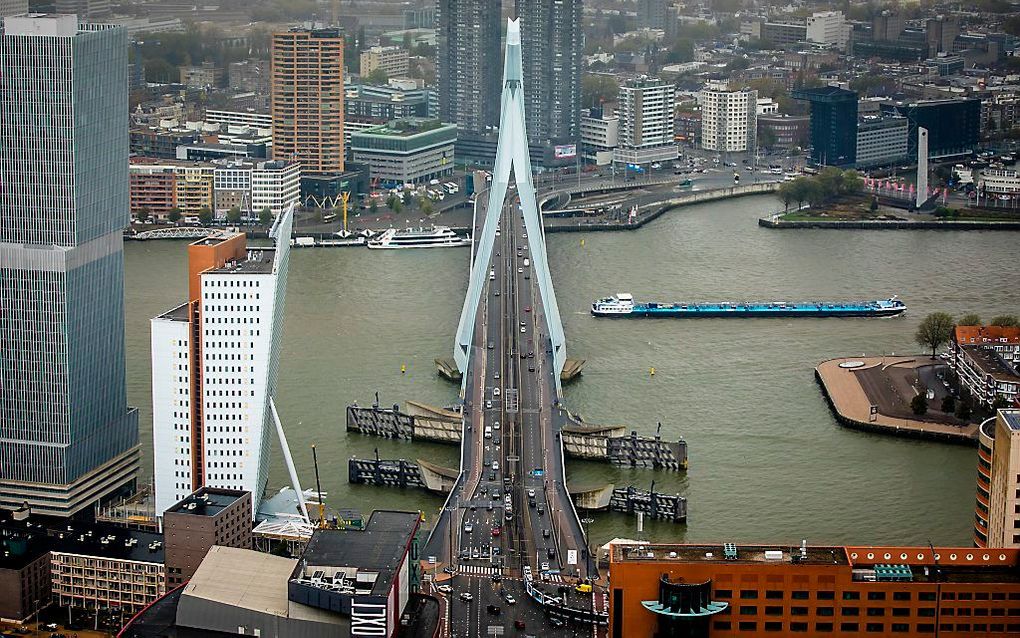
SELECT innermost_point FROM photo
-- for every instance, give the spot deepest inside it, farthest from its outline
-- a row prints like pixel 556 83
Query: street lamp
pixel 587 547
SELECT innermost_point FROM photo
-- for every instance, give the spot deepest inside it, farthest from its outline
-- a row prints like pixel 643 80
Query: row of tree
pixel 936 329
pixel 205 215
pixel 827 185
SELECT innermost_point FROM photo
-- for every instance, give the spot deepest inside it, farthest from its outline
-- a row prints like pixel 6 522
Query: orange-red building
pixel 721 591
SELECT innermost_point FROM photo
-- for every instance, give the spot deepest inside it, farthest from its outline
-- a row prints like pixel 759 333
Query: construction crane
pixel 318 488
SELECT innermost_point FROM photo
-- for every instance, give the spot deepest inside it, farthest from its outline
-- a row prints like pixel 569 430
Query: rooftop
pixel 744 554
pixel 406 127
pixel 207 501
pixel 1011 418
pixel 380 547
pixel 259 261
pixel 990 362
pixel 987 334
pixel 180 313
pixel 22 541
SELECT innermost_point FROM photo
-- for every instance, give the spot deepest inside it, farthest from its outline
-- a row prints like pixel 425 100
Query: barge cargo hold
pixel 623 305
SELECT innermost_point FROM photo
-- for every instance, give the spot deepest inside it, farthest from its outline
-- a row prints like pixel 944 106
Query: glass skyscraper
pixel 67 435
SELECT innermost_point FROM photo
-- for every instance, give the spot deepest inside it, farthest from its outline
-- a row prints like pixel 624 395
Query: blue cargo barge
pixel 623 305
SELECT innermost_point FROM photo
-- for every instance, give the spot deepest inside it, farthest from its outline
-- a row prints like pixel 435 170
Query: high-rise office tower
pixel 307 95
pixel 833 124
pixel 997 508
pixel 214 367
pixel 470 59
pixel 553 44
pixel 67 436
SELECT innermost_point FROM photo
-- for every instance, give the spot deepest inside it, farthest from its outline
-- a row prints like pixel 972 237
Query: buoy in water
pixel 582 242
pixel 651 371
pixel 403 368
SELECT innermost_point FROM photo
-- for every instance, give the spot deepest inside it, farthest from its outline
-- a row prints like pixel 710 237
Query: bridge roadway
pixel 492 525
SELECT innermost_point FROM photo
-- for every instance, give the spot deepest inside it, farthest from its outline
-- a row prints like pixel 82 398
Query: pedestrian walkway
pixel 478 570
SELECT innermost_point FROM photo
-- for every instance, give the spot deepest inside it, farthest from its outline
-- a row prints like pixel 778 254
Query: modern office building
pixel 406 151
pixel 782 131
pixel 881 141
pixel 307 98
pixel 728 118
pixel 469 59
pixel 646 111
pixel 205 518
pixel 729 590
pixel 392 60
pixel 214 368
pixel 600 135
pixel 954 125
pixel 829 28
pixel 833 124
pixel 13 7
pixel 941 33
pixel 67 436
pixel 372 101
pixel 552 43
pixel 986 360
pixel 997 506
pixel 251 75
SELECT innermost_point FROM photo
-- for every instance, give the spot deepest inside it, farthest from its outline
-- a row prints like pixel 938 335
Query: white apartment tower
pixel 829 28
pixel 728 118
pixel 646 111
pixel 214 367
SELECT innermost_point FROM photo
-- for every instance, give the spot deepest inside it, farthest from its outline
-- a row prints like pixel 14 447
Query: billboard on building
pixel 565 151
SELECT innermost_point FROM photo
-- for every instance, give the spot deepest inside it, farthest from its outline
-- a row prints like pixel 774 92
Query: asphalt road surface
pixel 510 507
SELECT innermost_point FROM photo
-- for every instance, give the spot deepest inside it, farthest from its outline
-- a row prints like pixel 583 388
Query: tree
pixel 963 410
pixel 597 88
pixel 204 216
pixel 786 194
pixel 142 214
pixel 373 206
pixel 408 198
pixel 948 404
pixel 767 138
pixel 934 331
pixel 174 215
pixel 234 215
pixel 851 183
pixel 1005 321
pixel 265 216
pixel 681 51
pixel 426 207
pixel 874 204
pixel 969 319
pixel 919 404
pixel 377 76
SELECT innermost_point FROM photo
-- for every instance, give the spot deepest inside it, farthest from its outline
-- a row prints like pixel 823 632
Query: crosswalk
pixel 478 570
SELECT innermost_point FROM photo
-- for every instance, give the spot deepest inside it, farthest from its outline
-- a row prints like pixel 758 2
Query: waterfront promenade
pixel 874 395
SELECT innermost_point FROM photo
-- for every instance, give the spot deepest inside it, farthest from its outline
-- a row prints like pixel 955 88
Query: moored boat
pixel 434 237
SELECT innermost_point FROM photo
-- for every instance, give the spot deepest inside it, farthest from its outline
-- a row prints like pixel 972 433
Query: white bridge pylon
pixel 511 153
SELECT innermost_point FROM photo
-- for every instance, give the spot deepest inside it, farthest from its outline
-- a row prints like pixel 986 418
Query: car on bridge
pixel 466 596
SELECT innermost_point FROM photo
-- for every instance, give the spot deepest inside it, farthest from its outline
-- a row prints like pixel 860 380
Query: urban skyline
pixel 354 140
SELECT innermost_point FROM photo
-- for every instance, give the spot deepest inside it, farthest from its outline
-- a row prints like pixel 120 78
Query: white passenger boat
pixel 435 237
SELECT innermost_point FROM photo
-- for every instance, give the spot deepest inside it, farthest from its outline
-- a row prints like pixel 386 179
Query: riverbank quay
pixel 775 221
pixel 873 394
pixel 649 212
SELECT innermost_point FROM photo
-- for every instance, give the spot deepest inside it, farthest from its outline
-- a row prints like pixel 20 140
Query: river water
pixel 768 462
